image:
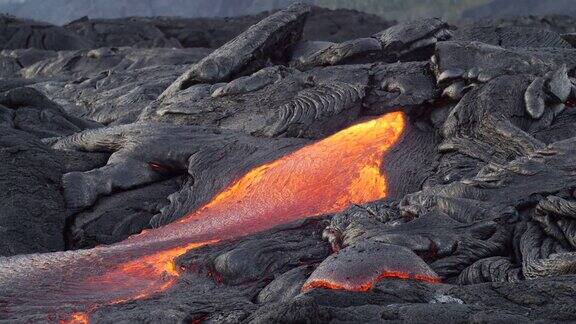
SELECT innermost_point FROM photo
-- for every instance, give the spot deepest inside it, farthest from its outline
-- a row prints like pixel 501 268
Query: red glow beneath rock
pixel 157 167
pixel 325 284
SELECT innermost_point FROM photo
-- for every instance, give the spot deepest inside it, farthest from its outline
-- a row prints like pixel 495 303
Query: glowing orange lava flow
pixel 324 177
pixel 76 318
pixel 151 273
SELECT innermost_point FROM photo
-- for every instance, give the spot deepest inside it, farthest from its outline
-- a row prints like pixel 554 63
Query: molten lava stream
pixel 324 177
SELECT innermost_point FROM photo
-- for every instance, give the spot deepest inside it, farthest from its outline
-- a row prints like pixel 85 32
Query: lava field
pixel 298 166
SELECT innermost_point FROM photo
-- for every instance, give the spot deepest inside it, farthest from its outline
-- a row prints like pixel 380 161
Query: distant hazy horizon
pixel 64 11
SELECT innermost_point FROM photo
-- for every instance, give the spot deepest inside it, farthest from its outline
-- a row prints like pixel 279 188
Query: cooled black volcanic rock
pixel 29 110
pixel 17 33
pixel 249 51
pixel 505 8
pixel 33 214
pixel 97 63
pixel 510 36
pixel 116 217
pixel 322 25
pixel 271 102
pixel 140 158
pixel 98 144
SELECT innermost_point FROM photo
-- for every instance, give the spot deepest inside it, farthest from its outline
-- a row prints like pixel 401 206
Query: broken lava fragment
pixel 358 267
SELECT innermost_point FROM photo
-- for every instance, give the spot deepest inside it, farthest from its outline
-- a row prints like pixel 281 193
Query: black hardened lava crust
pixel 113 127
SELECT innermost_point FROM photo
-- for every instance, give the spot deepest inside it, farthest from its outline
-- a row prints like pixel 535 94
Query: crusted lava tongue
pixel 407 38
pixel 34 113
pixel 480 62
pixel 310 54
pixel 358 267
pixel 260 42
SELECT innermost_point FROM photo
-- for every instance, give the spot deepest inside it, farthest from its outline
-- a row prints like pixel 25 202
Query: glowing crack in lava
pixel 324 177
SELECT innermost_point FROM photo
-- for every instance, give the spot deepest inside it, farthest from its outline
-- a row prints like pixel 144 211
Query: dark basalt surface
pixel 511 8
pixel 105 133
pixel 24 33
pixel 322 25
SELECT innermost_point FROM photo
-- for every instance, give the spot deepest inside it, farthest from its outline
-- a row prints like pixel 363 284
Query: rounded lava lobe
pixel 359 267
